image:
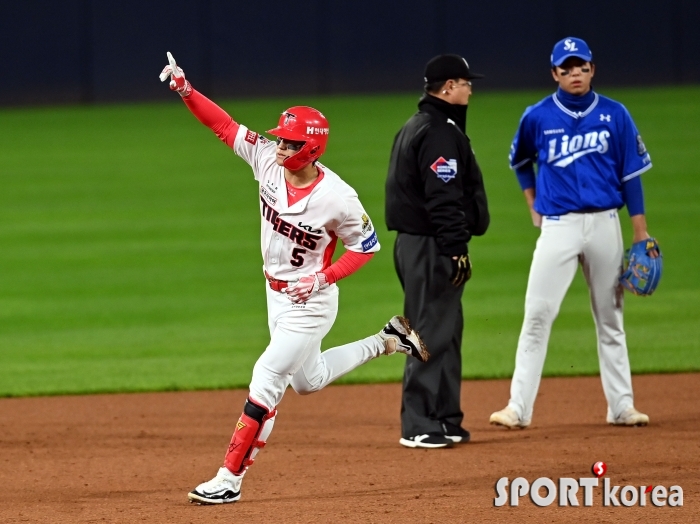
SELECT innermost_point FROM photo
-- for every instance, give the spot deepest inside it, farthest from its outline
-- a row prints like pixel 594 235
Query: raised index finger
pixel 173 64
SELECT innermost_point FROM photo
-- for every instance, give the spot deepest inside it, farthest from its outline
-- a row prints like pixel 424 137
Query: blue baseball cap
pixel 569 47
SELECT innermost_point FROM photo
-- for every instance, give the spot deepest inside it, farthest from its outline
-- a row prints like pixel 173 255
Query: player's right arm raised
pixel 206 111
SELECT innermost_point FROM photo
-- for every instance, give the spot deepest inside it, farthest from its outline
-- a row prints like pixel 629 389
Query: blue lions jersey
pixel 582 157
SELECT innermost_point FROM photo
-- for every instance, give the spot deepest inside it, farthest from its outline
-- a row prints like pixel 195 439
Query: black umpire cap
pixel 448 67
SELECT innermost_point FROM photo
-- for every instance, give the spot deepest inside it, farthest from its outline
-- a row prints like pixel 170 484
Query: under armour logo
pixel 288 116
pixel 569 45
pixel 605 118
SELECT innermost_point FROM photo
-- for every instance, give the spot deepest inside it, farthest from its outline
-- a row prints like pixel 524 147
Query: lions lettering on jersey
pixel 570 149
pixel 446 170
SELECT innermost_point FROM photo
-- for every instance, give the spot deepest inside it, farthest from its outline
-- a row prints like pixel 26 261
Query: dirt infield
pixel 334 456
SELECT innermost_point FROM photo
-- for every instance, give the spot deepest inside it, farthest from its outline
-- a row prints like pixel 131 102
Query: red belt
pixel 276 285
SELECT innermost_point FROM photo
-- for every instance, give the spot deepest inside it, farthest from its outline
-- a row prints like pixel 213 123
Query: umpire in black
pixel 435 199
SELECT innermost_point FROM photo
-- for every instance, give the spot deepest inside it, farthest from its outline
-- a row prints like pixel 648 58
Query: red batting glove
pixel 177 77
pixel 306 286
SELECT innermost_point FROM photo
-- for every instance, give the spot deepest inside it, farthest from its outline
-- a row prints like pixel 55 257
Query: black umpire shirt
pixel 435 187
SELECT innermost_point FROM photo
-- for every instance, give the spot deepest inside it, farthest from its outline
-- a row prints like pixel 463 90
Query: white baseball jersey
pixel 300 239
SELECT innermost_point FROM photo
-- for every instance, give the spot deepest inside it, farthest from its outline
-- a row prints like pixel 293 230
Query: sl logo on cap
pixel 569 45
pixel 446 170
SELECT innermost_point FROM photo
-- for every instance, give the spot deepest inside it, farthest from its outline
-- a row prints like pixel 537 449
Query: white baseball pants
pixel 294 353
pixel 594 240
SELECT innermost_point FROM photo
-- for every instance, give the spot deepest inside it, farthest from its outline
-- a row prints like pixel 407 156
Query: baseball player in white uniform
pixel 589 158
pixel 305 208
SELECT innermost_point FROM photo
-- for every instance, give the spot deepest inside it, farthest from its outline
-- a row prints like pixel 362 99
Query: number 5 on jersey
pixel 297 259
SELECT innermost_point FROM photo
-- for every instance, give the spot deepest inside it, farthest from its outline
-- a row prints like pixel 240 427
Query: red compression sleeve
pixel 346 265
pixel 212 116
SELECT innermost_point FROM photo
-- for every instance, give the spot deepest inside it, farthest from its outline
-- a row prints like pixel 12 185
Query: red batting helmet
pixel 303 124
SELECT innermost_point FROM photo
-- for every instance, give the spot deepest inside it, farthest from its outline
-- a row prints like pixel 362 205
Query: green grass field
pixel 130 258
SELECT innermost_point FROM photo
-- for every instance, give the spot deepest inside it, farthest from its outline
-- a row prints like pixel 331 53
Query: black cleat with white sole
pixel 399 336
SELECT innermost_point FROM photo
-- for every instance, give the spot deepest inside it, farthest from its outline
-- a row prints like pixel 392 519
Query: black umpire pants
pixel 431 390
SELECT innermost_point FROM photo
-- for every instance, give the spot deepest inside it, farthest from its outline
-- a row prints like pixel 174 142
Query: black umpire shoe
pixel 429 441
pixel 456 434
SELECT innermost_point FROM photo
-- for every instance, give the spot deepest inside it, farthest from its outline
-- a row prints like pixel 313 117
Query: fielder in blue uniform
pixel 589 157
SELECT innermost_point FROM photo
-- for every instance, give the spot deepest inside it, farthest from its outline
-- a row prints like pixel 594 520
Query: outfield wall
pixel 95 51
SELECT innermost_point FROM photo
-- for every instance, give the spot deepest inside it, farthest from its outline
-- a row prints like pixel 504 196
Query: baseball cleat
pixel 429 441
pixel 508 418
pixel 398 336
pixel 222 489
pixel 629 417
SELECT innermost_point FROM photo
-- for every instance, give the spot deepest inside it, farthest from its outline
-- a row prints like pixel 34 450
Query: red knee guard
pixel 250 435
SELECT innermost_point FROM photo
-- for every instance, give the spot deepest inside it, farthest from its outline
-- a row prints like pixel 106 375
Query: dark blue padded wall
pixel 90 51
